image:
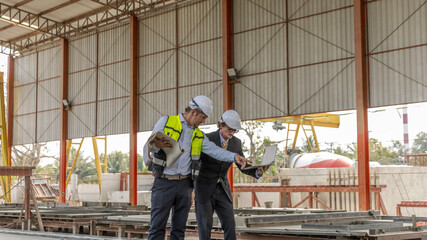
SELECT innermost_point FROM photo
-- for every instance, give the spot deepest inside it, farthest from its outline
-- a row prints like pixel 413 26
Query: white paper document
pixel 173 153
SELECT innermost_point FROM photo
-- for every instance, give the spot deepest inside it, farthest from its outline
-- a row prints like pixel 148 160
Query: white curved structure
pixel 319 160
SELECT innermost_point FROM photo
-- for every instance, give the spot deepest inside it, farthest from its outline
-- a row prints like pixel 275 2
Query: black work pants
pixel 221 204
pixel 170 195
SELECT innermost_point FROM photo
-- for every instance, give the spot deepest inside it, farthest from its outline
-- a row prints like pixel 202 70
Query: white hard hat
pixel 203 103
pixel 231 118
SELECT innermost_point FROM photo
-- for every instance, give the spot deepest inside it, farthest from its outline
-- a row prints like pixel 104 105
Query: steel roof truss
pixel 47 30
pixel 8 47
pixel 32 21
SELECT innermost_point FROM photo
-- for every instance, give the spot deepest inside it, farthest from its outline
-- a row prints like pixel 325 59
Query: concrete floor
pixel 23 237
pixel 8 234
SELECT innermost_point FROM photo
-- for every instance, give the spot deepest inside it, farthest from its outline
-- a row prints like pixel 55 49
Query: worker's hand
pixel 241 160
pixel 162 143
pixel 262 170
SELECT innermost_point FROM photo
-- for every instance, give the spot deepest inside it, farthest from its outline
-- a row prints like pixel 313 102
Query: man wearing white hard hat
pixel 173 185
pixel 212 189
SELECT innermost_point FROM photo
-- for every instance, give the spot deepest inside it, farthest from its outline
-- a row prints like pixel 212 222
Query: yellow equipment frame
pixel 98 163
pixel 4 180
pixel 311 120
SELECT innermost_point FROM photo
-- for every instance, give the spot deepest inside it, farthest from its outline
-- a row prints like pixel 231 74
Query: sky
pixel 385 124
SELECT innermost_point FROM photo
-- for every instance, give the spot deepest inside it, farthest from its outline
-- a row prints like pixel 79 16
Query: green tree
pixel 84 167
pixel 258 143
pixel 398 147
pixel 352 151
pixel 378 152
pixel 118 162
pixel 252 130
pixel 141 165
pixel 420 144
pixel 341 151
pixel 306 147
pixel 50 170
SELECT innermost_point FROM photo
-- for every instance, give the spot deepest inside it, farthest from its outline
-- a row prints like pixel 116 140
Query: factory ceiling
pixel 25 24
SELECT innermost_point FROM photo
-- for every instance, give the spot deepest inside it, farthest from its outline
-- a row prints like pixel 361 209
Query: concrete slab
pixel 33 235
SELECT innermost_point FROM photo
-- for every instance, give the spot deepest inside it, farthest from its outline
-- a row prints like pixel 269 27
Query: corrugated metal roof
pixel 23 132
pixel 398 77
pixel 304 8
pixel 397 44
pixel 81 121
pixel 249 15
pixel 154 105
pixel 396 24
pixel 199 22
pixel 113 116
pixel 157 32
pixel 113 45
pixel 48 124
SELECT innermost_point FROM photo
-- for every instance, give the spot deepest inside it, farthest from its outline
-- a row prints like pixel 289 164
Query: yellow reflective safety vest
pixel 173 128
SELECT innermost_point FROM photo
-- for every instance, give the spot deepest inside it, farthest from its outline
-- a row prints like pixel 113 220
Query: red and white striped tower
pixel 405 127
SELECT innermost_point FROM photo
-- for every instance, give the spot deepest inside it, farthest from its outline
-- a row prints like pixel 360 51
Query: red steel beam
pixel 409 204
pixel 362 104
pixel 133 104
pixel 10 102
pixel 64 123
pixel 227 53
pixel 227 62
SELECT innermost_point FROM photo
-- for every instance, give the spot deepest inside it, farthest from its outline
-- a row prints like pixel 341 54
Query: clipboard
pixel 268 158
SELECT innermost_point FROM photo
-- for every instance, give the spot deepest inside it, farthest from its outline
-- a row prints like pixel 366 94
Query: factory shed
pixel 85 68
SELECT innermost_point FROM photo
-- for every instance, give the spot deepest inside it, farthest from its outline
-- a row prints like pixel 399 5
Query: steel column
pixel 133 104
pixel 362 104
pixel 227 62
pixel 64 123
pixel 227 53
pixel 10 102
